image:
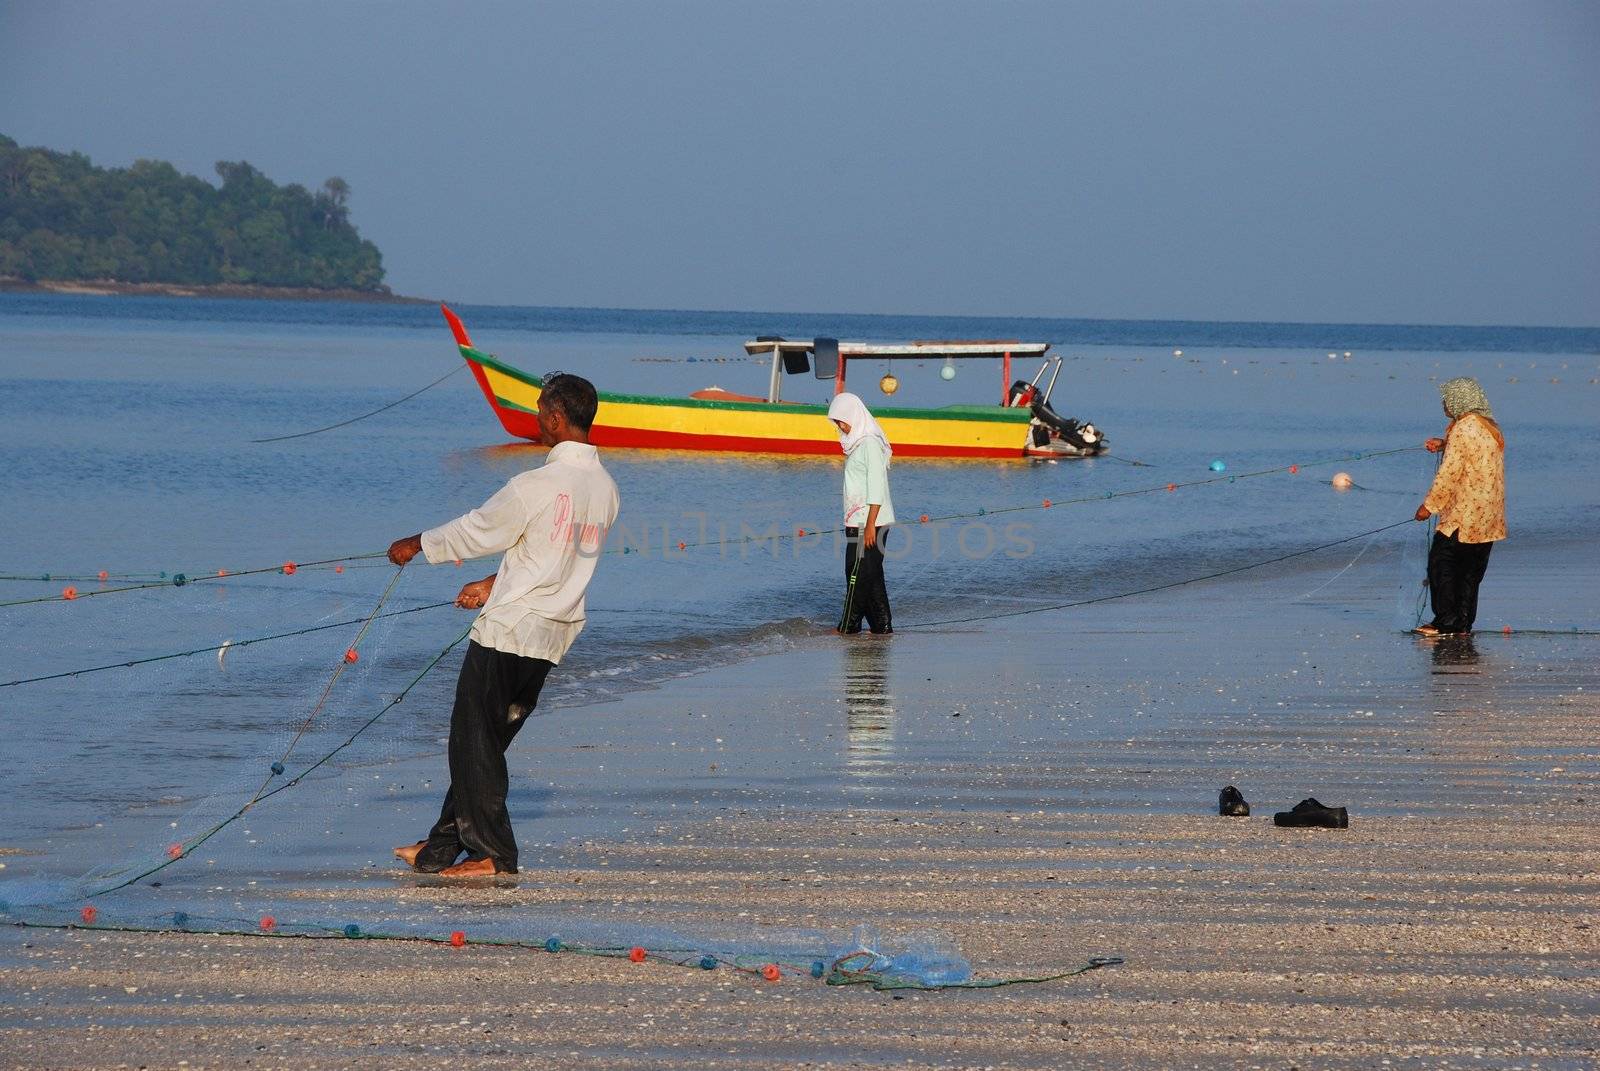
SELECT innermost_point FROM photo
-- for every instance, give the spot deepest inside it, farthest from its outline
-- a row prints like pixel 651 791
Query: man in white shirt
pixel 551 522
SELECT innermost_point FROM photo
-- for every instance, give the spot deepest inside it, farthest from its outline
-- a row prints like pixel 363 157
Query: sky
pixel 1396 162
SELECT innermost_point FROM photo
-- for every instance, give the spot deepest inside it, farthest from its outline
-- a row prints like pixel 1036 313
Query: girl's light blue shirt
pixel 866 484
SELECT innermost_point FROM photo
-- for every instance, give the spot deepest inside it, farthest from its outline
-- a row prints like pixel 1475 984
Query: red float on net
pixel 222 572
pixel 1506 630
pixel 771 972
pixel 268 923
pixel 637 954
pixel 1172 487
pixel 69 593
pixel 174 851
pixel 457 939
pixel 289 568
pixel 351 656
pixel 88 915
pixel 922 519
pixel 104 576
pixel 1047 503
pixel 338 568
pixel 1293 469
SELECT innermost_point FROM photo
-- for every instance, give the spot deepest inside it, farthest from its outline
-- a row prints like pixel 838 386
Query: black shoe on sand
pixel 1231 803
pixel 1310 813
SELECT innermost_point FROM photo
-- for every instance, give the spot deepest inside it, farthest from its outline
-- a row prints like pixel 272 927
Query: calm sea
pixel 126 428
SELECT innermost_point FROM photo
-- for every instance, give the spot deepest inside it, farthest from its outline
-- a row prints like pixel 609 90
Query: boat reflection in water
pixel 869 707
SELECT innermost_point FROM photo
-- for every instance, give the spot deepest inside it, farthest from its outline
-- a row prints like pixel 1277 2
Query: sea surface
pixel 128 443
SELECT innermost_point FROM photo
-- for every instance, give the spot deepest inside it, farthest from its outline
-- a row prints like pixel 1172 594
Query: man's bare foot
pixel 408 854
pixel 469 868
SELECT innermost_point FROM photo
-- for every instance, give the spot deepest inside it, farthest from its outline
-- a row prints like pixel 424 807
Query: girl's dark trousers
pixel 494 694
pixel 871 598
pixel 1455 569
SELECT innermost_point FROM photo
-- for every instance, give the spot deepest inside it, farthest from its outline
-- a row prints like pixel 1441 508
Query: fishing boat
pixel 718 420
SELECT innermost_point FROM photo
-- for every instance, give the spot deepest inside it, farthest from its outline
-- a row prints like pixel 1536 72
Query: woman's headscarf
pixel 1463 396
pixel 853 411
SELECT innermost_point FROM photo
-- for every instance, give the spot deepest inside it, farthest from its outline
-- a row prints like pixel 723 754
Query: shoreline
pixel 232 291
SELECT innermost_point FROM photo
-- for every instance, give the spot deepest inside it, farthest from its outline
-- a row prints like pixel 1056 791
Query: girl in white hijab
pixel 868 509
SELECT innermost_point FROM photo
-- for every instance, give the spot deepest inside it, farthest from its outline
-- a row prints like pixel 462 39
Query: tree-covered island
pixel 64 220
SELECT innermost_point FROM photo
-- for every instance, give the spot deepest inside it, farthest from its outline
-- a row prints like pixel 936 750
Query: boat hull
pixel 643 421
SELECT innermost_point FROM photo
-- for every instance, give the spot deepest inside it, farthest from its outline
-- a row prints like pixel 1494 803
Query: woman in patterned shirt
pixel 1469 495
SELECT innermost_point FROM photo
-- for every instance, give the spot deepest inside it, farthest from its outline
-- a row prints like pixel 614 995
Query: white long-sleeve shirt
pixel 866 484
pixel 552 523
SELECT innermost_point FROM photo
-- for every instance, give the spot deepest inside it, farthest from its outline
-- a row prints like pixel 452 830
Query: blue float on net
pixel 982 511
pixel 180 918
pixel 277 768
pixel 179 580
pixel 708 963
pixel 163 574
pixel 352 930
pixel 553 945
pixel 1218 465
pixel 817 968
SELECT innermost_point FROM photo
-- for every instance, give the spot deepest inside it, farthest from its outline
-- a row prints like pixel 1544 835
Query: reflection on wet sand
pixel 1455 654
pixel 869 707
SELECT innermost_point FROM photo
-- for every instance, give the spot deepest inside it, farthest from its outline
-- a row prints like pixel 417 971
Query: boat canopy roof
pixel 920 349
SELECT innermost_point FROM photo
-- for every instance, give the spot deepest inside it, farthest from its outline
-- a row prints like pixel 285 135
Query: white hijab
pixel 853 411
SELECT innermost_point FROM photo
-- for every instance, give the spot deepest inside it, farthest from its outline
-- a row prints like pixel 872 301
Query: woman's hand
pixel 1433 446
pixel 869 535
pixel 1423 513
pixel 475 594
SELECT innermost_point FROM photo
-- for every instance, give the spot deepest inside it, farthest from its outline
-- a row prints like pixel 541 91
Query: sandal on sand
pixel 1232 804
pixel 1310 813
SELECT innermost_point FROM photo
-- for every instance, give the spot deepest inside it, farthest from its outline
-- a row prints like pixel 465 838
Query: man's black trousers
pixel 1455 569
pixel 494 694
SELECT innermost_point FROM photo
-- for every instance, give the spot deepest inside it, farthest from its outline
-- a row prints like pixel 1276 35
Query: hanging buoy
pixel 637 954
pixel 1219 465
pixel 888 384
pixel 1341 481
pixel 948 372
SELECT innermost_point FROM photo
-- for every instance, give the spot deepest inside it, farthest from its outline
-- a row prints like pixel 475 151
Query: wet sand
pixel 1454 924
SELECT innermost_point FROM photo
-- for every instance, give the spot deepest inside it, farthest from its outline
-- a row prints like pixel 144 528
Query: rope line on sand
pixel 830 969
pixel 363 416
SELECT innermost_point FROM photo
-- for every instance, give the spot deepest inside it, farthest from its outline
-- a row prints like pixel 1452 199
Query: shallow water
pixel 125 428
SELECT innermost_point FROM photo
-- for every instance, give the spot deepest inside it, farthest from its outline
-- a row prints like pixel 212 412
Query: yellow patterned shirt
pixel 1469 491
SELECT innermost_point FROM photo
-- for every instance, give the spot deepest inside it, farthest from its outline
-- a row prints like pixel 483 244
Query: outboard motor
pixel 1022 393
pixel 1048 426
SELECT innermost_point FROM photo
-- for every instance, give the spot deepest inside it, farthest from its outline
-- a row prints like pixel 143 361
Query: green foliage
pixel 63 218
